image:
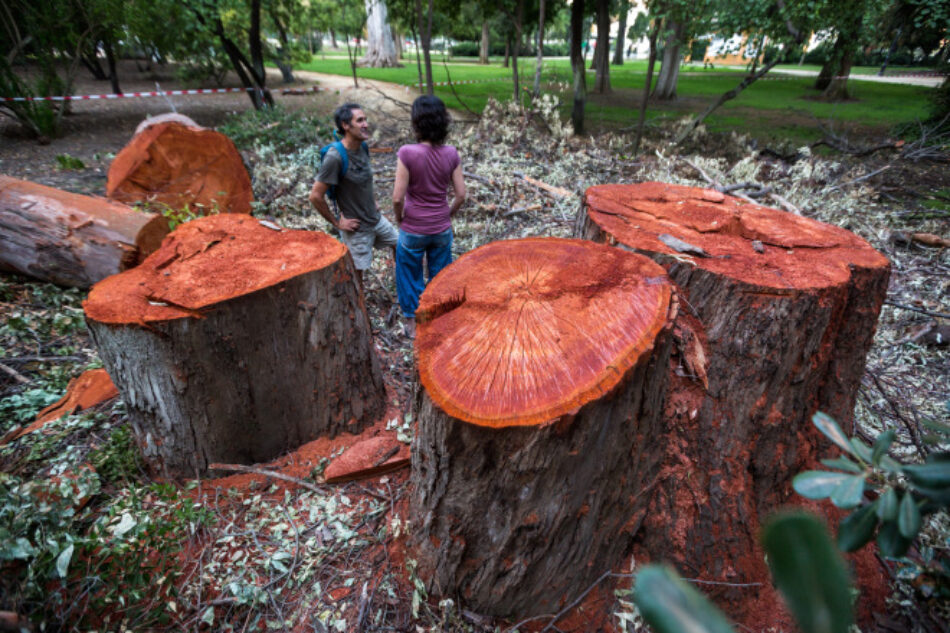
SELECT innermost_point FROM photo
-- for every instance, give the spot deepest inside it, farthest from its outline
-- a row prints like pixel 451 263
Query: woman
pixel 423 173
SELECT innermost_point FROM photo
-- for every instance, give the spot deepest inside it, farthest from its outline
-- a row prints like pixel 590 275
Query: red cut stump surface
pixel 787 308
pixel 71 239
pixel 235 342
pixel 181 165
pixel 542 370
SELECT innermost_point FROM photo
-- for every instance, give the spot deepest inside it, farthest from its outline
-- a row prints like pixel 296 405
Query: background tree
pixel 621 31
pixel 380 48
pixel 577 65
pixel 601 62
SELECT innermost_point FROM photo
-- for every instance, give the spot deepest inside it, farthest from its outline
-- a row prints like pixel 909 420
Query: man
pixel 361 225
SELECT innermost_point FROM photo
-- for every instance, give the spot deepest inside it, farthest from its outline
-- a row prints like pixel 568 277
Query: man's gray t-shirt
pixel 354 196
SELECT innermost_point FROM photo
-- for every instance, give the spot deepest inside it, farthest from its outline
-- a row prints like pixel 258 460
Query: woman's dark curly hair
pixel 430 119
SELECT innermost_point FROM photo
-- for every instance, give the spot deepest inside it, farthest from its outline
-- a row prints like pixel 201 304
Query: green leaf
pixel 818 484
pixel 809 572
pixel 935 426
pixel 62 561
pixel 908 519
pixel 670 605
pixel 208 616
pixel 861 450
pixel 849 493
pixel 881 444
pixel 857 528
pixel 887 505
pixel 842 463
pixel 830 428
pixel 890 541
pixel 934 474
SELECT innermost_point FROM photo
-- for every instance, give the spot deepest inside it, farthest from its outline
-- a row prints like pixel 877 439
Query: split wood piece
pixel 236 342
pixel 787 309
pixel 368 458
pixel 538 416
pixel 71 239
pixel 179 165
pixel 89 389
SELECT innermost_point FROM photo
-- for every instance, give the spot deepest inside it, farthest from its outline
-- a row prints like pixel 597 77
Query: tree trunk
pixel 646 89
pixel 425 29
pixel 181 166
pixel 333 38
pixel 621 32
pixel 505 63
pixel 91 62
pixel 540 61
pixel 601 61
pixel 283 51
pixel 113 72
pixel 71 239
pixel 415 38
pixel 397 41
pixel 828 69
pixel 665 89
pixel 837 89
pixel 541 396
pixel 516 51
pixel 380 49
pixel 577 66
pixel 236 342
pixel 785 310
pixel 483 46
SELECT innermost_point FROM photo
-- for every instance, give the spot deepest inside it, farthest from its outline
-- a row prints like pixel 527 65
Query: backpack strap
pixel 341 150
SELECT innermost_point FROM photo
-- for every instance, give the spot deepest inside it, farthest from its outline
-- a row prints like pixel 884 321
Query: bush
pixel 465 49
pixel 697 50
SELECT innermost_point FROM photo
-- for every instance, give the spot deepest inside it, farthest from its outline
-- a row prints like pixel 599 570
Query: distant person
pixel 424 172
pixel 362 227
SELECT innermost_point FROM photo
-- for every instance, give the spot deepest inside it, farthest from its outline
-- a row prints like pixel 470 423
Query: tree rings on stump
pixel 542 365
pixel 237 341
pixel 179 165
pixel 71 239
pixel 786 308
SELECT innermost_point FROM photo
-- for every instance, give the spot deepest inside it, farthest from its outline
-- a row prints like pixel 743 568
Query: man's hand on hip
pixel 348 224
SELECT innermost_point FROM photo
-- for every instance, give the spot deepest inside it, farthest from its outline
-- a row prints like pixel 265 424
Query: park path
pixel 921 79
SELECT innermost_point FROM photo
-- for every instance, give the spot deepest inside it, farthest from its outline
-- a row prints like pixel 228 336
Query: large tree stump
pixel 543 368
pixel 235 342
pixel 71 239
pixel 179 165
pixel 787 309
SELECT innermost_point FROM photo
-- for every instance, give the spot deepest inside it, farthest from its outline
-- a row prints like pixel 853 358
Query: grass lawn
pixel 774 108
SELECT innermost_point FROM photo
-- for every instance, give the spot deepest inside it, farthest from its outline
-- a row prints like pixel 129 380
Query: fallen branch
pixel 552 190
pixel 939 315
pixel 857 180
pixel 517 210
pixel 17 376
pixel 785 204
pixel 267 473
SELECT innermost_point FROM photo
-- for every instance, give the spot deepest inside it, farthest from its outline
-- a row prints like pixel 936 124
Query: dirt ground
pixel 95 130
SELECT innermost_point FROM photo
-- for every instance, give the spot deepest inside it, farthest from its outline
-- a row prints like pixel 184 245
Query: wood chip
pixel 680 246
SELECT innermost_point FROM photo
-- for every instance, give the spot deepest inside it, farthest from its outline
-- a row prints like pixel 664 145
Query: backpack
pixel 341 150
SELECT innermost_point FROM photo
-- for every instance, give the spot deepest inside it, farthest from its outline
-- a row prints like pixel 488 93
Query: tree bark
pixel 665 89
pixel 425 29
pixel 516 50
pixel 181 166
pixel 71 239
pixel 577 66
pixel 540 61
pixel 837 89
pixel 621 32
pixel 646 89
pixel 533 457
pixel 829 68
pixel 236 342
pixel 601 62
pixel 380 49
pixel 283 51
pixel 397 41
pixel 113 72
pixel 781 330
pixel 483 46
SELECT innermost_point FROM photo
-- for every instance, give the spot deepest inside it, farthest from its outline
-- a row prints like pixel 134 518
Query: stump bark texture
pixel 179 165
pixel 779 314
pixel 71 239
pixel 542 371
pixel 235 342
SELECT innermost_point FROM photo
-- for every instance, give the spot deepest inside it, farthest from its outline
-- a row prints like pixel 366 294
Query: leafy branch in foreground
pixel 805 566
pixel 905 494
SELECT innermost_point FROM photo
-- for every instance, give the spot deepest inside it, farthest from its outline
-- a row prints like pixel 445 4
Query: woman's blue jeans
pixel 437 250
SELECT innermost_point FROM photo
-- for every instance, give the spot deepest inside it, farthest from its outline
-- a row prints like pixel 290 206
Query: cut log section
pixel 235 342
pixel 71 239
pixel 178 165
pixel 542 370
pixel 786 309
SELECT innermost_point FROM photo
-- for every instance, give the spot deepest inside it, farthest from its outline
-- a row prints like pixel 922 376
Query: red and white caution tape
pixel 132 95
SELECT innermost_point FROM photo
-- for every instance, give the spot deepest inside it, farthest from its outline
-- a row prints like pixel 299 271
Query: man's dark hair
pixel 344 114
pixel 430 119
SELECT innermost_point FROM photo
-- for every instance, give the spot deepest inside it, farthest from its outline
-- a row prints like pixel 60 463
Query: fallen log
pixel 539 406
pixel 785 310
pixel 181 166
pixel 236 342
pixel 71 239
